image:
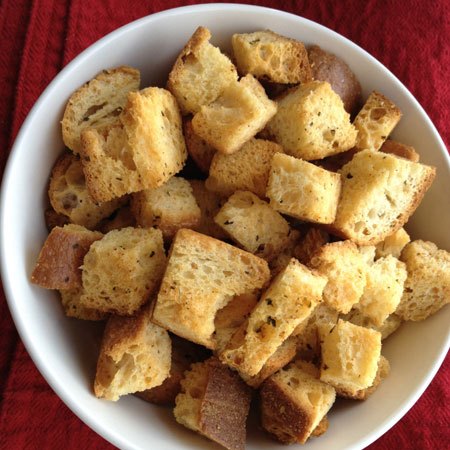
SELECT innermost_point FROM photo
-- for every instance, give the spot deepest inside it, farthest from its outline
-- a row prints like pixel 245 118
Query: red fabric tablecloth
pixel 39 37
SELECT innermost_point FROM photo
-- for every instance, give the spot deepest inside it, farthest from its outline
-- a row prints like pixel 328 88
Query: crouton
pixel 184 353
pixel 203 274
pixel 254 225
pixel 311 122
pixel 97 103
pixel 168 207
pixel 135 355
pixel 278 263
pixel 368 253
pixel 302 190
pixel 293 402
pixel 379 194
pixel 328 67
pixel 215 403
pixel 393 244
pixel 122 270
pixel 345 269
pixel 58 265
pixel 272 57
pixel 53 219
pixel 246 170
pixel 399 149
pixel 121 218
pixel 383 290
pixel 68 194
pixel 377 118
pixel 142 150
pixel 209 204
pixel 288 301
pixel 350 356
pixel 200 151
pixel 427 287
pixel 200 73
pixel 235 116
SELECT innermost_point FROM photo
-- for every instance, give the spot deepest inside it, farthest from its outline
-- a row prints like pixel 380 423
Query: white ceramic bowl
pixel 65 350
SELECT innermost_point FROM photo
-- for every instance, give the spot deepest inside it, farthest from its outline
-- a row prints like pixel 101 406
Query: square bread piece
pixel 350 356
pixel 97 103
pixel 142 150
pixel 302 190
pixel 135 355
pixel 379 194
pixel 214 402
pixel 71 303
pixel 200 73
pixel 203 274
pixel 68 194
pixel 168 207
pixel 383 290
pixel 246 170
pixel 58 265
pixel 235 116
pixel 287 302
pixel 427 287
pixel 311 122
pixel 310 244
pixel 345 269
pixel 393 244
pixel 254 225
pixel 294 401
pixel 375 121
pixel 123 270
pixel 399 149
pixel 272 57
pixel 199 150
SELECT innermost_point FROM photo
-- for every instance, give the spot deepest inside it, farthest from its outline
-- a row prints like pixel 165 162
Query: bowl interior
pixel 65 350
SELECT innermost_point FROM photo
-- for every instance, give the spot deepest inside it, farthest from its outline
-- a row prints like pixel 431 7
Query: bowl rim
pixel 36 353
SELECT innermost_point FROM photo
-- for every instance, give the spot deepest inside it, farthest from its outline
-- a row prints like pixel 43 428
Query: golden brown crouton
pixel 393 244
pixel 199 150
pixel 398 149
pixel 71 303
pixel 58 265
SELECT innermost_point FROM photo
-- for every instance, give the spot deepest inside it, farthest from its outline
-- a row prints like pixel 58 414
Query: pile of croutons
pixel 276 272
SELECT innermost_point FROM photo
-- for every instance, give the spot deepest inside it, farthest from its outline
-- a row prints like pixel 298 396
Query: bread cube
pixel 308 345
pixel 427 287
pixel 272 57
pixel 71 303
pixel 311 122
pixel 379 194
pixel 282 259
pixel 135 355
pixel 350 356
pixel 235 116
pixel 383 370
pixel 310 244
pixel 302 190
pixel 200 73
pixel 293 403
pixel 122 270
pixel 200 151
pixel 287 302
pixel 184 353
pixel 254 225
pixel 168 207
pixel 142 150
pixel 393 244
pixel 202 276
pixel 346 271
pixel 377 118
pixel 246 170
pixel 122 218
pixel 68 194
pixel 58 265
pixel 368 253
pixel 209 204
pixel 215 403
pixel 383 290
pixel 401 150
pixel 97 103
pixel 390 325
